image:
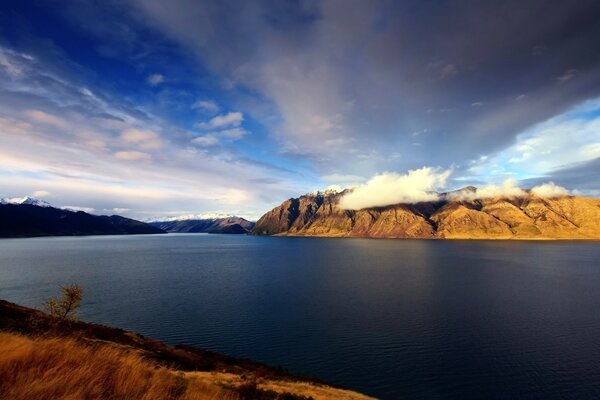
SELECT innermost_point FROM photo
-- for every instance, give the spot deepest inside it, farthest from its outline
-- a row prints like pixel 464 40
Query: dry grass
pixel 65 369
pixel 301 389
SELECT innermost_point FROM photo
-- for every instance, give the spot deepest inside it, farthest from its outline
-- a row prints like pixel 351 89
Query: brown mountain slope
pixel 530 217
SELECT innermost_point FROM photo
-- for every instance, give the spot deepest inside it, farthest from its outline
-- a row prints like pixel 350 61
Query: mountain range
pixel 455 215
pixel 27 217
pixel 235 225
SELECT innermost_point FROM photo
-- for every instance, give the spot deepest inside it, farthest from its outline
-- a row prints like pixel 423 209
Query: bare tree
pixel 66 306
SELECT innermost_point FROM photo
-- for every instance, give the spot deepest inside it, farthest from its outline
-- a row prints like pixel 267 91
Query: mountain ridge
pixel 450 217
pixel 29 219
pixel 230 225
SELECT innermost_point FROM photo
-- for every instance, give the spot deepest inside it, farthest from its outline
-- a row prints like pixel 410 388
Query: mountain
pixel 235 225
pixel 452 217
pixel 34 218
pixel 25 201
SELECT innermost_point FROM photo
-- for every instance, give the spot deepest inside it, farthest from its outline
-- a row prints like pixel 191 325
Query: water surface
pixel 395 319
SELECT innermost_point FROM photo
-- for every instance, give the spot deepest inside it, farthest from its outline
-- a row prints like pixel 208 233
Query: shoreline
pixel 210 368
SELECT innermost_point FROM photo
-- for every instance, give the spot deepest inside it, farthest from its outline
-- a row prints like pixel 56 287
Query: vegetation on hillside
pixel 60 358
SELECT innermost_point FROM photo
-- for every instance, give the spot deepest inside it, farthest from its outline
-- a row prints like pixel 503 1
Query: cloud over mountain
pixel 392 188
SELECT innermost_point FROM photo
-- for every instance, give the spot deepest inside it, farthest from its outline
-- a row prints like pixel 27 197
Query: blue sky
pixel 154 108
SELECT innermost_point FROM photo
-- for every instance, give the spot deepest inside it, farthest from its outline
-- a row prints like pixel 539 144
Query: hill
pixel 451 217
pixel 29 218
pixel 46 358
pixel 234 225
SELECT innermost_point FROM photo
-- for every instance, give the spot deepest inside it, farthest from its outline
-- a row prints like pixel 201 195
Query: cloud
pixel 132 156
pixel 508 189
pixel 306 75
pixel 206 140
pixel 88 210
pixel 393 188
pixel 568 75
pixel 448 70
pixel 40 193
pixel 11 61
pixel 46 118
pixel 549 190
pixel 222 121
pixel 206 105
pixel 233 133
pixel 155 79
pixel 146 139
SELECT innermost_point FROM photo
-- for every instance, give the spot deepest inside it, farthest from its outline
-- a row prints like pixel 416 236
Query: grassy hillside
pixel 45 358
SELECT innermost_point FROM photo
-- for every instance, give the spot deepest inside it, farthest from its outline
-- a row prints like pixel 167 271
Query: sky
pixel 153 109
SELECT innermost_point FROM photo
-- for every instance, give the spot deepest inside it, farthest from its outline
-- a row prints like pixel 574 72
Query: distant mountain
pixel 31 217
pixel 24 200
pixel 235 225
pixel 528 217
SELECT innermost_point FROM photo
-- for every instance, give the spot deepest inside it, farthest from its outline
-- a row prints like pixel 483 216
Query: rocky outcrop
pixel 529 217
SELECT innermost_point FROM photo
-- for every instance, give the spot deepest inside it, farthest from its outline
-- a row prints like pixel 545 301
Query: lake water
pixel 395 319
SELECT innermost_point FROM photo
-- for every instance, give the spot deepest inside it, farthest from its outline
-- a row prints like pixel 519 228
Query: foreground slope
pixel 26 220
pixel 45 358
pixel 528 217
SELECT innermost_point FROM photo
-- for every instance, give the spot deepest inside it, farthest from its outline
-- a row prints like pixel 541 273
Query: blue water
pixel 396 319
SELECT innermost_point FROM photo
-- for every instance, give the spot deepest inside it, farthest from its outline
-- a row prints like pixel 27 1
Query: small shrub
pixel 67 305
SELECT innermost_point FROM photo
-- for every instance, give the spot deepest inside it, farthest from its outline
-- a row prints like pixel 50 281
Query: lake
pixel 414 319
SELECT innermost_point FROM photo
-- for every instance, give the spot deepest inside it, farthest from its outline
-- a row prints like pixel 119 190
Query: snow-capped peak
pixel 25 200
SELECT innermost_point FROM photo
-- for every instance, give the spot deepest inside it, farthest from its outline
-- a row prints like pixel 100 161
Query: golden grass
pixel 66 369
pixel 306 389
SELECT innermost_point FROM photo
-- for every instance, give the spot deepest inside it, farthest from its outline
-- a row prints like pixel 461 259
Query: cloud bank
pixel 509 189
pixel 421 185
pixel 392 188
pixel 549 190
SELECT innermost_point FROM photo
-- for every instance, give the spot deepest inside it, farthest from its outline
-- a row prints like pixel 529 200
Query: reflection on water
pixel 392 318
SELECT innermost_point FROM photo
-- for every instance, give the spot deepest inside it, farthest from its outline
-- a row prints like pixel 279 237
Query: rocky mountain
pixel 452 217
pixel 34 218
pixel 235 225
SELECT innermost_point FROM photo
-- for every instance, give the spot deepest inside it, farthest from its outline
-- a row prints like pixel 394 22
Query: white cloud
pixel 132 156
pixel 45 118
pixel 222 121
pixel 12 62
pixel 508 189
pixel 561 141
pixel 146 139
pixel 206 140
pixel 393 188
pixel 233 133
pixel 549 190
pixel 88 210
pixel 41 193
pixel 156 79
pixel 206 105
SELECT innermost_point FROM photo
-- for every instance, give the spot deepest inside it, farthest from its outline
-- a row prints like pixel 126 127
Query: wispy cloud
pixel 222 121
pixel 155 79
pixel 145 139
pixel 133 156
pixel 209 106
